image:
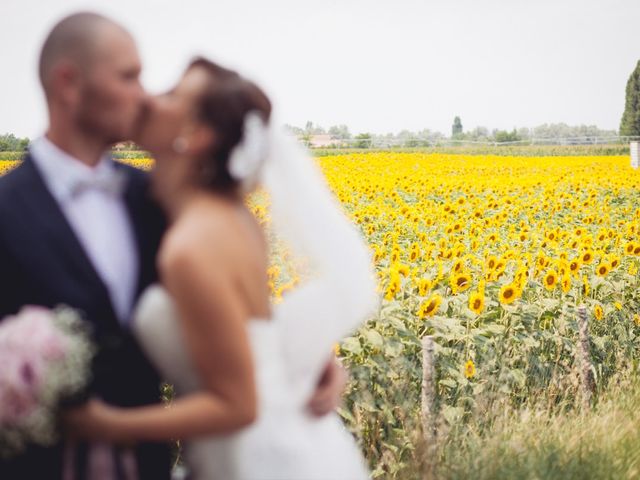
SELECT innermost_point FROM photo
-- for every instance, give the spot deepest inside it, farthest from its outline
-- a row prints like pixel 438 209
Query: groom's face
pixel 112 98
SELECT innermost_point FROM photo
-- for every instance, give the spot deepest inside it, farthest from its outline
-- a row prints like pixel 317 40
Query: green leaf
pixel 393 348
pixel 452 414
pixel 351 345
pixel 447 382
pixel 374 338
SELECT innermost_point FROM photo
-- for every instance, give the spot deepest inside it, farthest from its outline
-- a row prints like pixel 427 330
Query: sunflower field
pixel 491 256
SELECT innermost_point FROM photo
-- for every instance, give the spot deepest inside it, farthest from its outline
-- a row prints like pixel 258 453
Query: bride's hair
pixel 223 105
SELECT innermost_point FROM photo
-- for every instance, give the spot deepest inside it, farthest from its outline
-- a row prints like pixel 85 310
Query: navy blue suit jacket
pixel 43 263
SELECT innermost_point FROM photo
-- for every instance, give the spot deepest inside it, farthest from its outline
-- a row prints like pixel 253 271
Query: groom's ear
pixel 64 82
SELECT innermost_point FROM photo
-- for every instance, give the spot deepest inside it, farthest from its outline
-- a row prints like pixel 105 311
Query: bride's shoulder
pixel 201 236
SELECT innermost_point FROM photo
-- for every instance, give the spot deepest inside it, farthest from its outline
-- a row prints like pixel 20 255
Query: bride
pixel 242 369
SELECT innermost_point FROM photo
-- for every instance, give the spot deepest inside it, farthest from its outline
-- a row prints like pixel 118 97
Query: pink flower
pixel 29 343
pixel 20 381
pixel 47 339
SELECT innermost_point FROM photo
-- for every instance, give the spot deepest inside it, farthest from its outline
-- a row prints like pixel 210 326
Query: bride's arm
pixel 213 320
pixel 329 389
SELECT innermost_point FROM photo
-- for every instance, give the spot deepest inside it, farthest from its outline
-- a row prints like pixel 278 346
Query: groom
pixel 78 229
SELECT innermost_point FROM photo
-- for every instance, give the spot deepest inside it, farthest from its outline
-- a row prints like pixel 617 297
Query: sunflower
pixel 476 302
pixel 430 307
pixel 424 285
pixel 598 312
pixel 469 369
pixel 629 248
pixel 403 270
pixel 615 262
pixel 460 282
pixel 603 269
pixel 550 280
pixel 574 266
pixel 499 268
pixel 566 283
pixel 587 257
pixel 415 252
pixel 563 267
pixel 586 287
pixel 508 294
pixel 458 265
pixel 394 286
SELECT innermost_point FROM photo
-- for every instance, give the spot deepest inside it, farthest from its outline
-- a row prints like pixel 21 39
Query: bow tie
pixel 111 182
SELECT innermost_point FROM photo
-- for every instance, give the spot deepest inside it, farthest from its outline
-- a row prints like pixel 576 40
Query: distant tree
pixel 305 137
pixel 630 123
pixel 477 134
pixel 562 130
pixel 313 129
pixel 524 133
pixel 411 142
pixel 456 128
pixel 340 132
pixel 11 143
pixel 501 136
pixel 363 140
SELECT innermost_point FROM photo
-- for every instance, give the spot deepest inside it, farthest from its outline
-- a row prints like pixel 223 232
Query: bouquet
pixel 45 358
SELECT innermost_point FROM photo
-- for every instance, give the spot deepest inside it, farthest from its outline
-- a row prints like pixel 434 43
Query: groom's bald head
pixel 74 39
pixel 89 70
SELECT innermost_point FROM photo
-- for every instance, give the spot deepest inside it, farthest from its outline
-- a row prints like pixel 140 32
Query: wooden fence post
pixel 586 368
pixel 428 390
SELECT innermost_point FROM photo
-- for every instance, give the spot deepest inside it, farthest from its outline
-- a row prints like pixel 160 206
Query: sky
pixel 375 65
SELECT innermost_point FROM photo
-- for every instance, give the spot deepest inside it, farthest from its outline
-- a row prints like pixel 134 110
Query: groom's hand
pixel 329 391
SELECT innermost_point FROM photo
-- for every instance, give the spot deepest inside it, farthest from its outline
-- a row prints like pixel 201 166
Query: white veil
pixel 306 216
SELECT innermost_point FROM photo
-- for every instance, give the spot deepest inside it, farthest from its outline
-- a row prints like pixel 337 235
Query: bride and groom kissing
pixel 169 272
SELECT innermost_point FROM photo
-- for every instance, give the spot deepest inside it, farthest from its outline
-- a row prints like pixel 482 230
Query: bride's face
pixel 172 115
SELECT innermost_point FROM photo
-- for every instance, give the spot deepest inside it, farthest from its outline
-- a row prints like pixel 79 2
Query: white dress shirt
pixel 97 215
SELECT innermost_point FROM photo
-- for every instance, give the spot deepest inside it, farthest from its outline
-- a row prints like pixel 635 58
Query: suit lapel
pixel 146 225
pixel 58 233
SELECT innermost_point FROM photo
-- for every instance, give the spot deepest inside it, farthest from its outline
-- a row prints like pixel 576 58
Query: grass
pixel 536 443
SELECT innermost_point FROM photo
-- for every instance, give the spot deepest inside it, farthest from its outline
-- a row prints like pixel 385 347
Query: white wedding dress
pixel 285 442
pixel 291 349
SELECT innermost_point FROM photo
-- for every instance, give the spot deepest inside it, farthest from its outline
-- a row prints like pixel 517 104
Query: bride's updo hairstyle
pixel 223 105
